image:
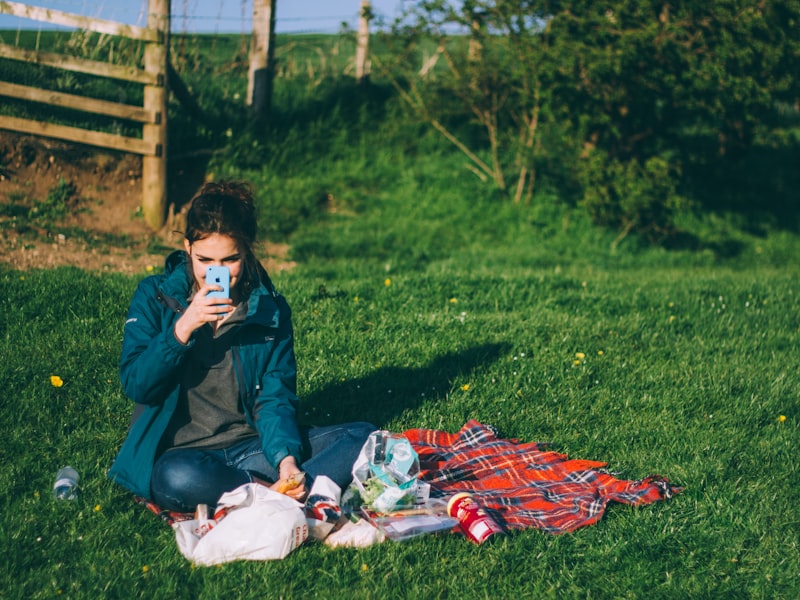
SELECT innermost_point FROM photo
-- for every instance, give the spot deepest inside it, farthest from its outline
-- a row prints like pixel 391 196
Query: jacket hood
pixel 176 259
pixel 176 282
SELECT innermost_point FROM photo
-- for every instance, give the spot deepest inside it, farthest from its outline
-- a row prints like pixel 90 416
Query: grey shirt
pixel 209 412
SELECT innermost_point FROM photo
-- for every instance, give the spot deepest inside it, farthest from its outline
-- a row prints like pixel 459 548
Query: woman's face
pixel 216 250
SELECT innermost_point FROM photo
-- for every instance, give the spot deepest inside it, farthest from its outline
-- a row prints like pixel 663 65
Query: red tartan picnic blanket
pixel 522 485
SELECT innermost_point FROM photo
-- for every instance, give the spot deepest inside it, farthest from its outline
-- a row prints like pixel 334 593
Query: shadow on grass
pixel 388 391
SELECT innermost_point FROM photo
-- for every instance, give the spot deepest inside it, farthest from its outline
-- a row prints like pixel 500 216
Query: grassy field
pixel 423 300
pixel 689 370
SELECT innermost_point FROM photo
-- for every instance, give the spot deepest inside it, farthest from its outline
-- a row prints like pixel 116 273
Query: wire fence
pixel 216 16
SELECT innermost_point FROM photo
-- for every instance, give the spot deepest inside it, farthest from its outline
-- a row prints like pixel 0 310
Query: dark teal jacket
pixel 152 360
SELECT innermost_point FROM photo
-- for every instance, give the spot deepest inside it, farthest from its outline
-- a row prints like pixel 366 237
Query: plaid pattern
pixel 522 485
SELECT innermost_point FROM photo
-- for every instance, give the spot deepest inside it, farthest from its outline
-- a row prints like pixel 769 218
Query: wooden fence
pixel 152 146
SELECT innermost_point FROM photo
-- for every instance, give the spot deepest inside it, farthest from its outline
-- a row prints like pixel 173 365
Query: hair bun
pixel 241 190
pixel 226 207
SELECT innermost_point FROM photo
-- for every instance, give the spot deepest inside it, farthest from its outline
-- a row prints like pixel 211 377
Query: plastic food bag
pixel 407 523
pixel 356 533
pixel 386 471
pixel 322 507
pixel 400 528
pixel 252 522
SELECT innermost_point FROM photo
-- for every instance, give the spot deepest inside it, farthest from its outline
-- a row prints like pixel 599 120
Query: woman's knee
pixel 183 479
pixel 174 480
pixel 361 429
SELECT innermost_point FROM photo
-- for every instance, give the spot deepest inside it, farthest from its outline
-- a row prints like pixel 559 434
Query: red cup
pixel 473 520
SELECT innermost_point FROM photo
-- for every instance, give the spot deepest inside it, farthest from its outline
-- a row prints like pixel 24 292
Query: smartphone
pixel 220 276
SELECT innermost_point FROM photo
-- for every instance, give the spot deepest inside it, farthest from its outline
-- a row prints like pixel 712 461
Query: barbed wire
pixel 281 29
pixel 182 21
pixel 178 27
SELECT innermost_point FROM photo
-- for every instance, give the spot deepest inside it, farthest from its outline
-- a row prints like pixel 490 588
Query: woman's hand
pixel 200 311
pixel 290 472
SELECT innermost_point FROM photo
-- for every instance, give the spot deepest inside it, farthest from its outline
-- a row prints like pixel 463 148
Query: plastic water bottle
pixel 66 484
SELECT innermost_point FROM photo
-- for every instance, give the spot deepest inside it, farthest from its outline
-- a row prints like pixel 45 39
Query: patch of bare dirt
pixel 104 229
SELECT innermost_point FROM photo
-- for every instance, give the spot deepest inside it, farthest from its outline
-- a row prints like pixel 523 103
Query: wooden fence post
pixel 362 42
pixel 154 166
pixel 262 59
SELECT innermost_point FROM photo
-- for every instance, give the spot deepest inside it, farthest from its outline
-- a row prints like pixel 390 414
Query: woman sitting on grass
pixel 214 379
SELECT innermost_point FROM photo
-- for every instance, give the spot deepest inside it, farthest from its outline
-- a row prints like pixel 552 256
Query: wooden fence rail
pixel 152 114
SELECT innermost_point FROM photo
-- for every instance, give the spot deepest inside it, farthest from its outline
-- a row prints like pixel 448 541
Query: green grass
pixel 687 369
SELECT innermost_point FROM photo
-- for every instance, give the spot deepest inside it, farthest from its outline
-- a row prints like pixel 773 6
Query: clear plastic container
pixel 66 484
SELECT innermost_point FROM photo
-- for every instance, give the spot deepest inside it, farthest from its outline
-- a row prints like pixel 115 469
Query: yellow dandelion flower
pixel 355 299
pixel 453 300
pixel 465 387
pixel 145 569
pixel 388 282
pixel 576 363
pixel 600 353
pixel 364 567
pixel 97 508
pixel 782 418
pixel 580 355
pixel 671 318
pixel 56 381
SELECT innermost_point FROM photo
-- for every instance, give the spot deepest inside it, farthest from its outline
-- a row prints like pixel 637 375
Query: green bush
pixel 632 197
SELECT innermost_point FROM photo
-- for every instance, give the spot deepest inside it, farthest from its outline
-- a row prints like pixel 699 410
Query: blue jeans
pixel 185 477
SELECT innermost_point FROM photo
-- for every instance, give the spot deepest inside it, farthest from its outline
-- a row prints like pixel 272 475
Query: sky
pixel 232 16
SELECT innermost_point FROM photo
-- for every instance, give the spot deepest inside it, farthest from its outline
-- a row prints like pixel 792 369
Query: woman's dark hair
pixel 227 208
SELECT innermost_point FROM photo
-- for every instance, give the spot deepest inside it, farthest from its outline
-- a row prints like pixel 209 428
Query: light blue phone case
pixel 220 276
